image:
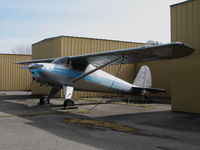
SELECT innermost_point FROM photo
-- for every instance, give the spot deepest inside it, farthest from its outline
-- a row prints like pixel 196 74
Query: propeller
pixel 33 66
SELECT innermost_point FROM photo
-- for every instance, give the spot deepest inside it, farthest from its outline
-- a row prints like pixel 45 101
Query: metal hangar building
pixel 180 77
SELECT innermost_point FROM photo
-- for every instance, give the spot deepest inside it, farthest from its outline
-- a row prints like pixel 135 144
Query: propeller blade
pixel 33 66
pixel 25 67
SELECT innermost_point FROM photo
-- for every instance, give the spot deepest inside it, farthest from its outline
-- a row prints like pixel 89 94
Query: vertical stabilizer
pixel 143 78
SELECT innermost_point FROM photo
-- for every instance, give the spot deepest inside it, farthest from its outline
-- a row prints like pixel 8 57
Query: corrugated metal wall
pixel 76 46
pixel 160 71
pixel 12 77
pixel 48 48
pixel 69 46
pixel 185 78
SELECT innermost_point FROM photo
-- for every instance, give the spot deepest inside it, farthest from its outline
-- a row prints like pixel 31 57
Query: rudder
pixel 143 78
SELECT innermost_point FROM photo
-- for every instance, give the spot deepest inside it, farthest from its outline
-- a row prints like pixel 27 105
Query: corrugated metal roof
pixel 15 54
pixel 51 38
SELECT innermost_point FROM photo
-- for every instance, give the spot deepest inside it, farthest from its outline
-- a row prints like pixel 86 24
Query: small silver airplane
pixel 82 72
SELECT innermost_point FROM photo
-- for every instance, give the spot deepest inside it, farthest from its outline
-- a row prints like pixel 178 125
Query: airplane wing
pixel 135 55
pixel 129 56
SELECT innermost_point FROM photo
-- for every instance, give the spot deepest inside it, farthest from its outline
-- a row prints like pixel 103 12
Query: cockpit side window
pixel 61 61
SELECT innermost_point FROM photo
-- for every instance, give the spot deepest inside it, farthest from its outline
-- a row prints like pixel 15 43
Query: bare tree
pixel 25 49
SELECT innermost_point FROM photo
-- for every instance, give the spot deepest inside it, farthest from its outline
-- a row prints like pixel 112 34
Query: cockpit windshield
pixel 62 60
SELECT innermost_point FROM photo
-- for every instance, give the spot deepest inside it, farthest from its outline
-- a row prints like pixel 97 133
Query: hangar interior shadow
pixel 161 119
pixel 17 97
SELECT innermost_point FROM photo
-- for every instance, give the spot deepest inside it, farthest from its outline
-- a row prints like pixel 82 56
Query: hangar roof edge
pixel 15 54
pixel 186 1
pixel 51 38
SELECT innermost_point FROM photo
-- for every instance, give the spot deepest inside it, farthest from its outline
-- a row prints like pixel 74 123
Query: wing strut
pixel 83 75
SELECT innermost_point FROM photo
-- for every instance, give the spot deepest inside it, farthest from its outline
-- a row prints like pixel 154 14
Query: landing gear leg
pixel 46 99
pixel 68 90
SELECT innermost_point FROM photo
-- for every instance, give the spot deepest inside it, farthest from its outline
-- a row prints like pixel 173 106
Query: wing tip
pixel 182 44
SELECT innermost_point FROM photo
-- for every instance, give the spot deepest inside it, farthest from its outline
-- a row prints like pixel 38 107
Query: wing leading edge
pixel 130 55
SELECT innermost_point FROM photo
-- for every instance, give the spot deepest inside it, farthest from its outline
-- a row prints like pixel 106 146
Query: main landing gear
pixel 68 90
pixel 68 103
pixel 44 100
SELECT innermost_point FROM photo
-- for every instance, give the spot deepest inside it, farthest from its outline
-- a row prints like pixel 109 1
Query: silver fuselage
pixel 58 75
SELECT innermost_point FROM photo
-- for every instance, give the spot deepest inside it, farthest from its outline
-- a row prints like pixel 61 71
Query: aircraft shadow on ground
pixel 25 97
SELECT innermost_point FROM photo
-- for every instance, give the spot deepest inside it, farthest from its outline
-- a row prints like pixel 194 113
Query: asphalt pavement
pixel 26 125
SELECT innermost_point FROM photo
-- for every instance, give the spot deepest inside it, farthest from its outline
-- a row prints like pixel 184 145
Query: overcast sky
pixel 28 21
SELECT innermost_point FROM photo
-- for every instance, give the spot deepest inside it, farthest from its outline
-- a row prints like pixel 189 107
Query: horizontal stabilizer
pixel 149 90
pixel 154 90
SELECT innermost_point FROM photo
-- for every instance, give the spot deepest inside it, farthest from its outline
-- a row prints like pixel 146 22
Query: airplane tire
pixel 68 102
pixel 44 100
